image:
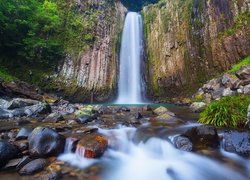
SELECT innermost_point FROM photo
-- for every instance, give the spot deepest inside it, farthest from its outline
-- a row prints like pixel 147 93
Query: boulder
pixel 246 89
pixel 45 142
pixel 237 142
pixel 7 152
pixel 33 167
pixel 183 143
pixel 85 114
pixel 160 110
pixel 243 73
pixel 217 94
pixel 54 117
pixel 228 92
pixel 203 136
pixel 21 102
pixel 23 133
pixel 41 108
pixel 197 106
pixel 227 80
pixel 92 146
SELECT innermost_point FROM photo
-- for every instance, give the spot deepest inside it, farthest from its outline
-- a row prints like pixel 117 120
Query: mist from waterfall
pixel 130 86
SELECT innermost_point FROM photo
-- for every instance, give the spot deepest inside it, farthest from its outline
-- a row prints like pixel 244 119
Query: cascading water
pixel 153 159
pixel 130 86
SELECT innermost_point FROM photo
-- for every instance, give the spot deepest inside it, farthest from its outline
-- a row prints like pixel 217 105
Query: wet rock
pixel 4 104
pixel 54 117
pixel 7 152
pixel 228 92
pixel 4 114
pixel 183 143
pixel 85 114
pixel 92 146
pixel 237 142
pixel 23 133
pixel 197 106
pixel 25 160
pixel 41 108
pixel 45 141
pixel 243 73
pixel 203 137
pixel 12 163
pixel 33 167
pixel 21 102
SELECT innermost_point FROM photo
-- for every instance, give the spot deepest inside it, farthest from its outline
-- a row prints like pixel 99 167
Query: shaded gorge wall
pixel 190 41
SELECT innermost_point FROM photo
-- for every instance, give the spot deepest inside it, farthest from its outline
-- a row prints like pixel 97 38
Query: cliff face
pixel 92 74
pixel 189 41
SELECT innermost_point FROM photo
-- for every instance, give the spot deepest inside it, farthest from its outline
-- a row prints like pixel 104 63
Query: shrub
pixel 227 112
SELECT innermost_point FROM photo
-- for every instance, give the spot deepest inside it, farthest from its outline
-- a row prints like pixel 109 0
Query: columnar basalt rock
pixel 92 75
pixel 190 41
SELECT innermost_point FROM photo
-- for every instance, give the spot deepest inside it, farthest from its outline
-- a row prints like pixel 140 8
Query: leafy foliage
pixel 244 62
pixel 5 75
pixel 227 112
pixel 136 5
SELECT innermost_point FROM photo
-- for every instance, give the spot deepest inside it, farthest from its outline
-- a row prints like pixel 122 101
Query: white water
pixel 130 80
pixel 155 159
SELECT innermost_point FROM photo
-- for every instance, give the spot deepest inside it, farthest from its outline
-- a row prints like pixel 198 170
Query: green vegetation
pixel 242 20
pixel 227 112
pixel 237 67
pixel 36 34
pixel 5 75
pixel 136 5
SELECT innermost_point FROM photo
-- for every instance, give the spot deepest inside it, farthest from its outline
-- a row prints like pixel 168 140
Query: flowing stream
pixel 130 86
pixel 154 159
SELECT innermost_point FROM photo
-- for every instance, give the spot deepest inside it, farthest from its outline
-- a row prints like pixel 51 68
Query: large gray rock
pixel 246 89
pixel 197 106
pixel 203 137
pixel 237 142
pixel 228 92
pixel 7 152
pixel 4 104
pixel 45 141
pixel 21 102
pixel 217 94
pixel 41 108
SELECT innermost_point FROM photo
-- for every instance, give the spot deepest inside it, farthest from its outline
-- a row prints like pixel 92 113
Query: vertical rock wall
pixel 189 41
pixel 92 76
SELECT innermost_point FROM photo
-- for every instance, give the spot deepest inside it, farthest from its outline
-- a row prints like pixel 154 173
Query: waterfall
pixel 130 86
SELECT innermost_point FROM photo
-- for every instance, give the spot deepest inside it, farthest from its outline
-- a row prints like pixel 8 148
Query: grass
pixel 237 67
pixel 5 75
pixel 228 112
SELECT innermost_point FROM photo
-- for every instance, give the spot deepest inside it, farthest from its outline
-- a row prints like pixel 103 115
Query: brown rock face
pixel 190 41
pixel 92 75
pixel 92 146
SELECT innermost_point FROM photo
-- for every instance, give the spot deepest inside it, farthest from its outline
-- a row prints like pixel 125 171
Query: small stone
pixel 160 110
pixel 228 92
pixel 7 152
pixel 183 143
pixel 246 89
pixel 25 160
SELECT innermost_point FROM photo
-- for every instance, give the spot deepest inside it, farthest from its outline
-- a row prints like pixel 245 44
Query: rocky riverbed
pixel 34 134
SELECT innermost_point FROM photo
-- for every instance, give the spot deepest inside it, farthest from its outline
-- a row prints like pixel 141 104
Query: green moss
pixel 5 75
pixel 236 67
pixel 227 112
pixel 242 20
